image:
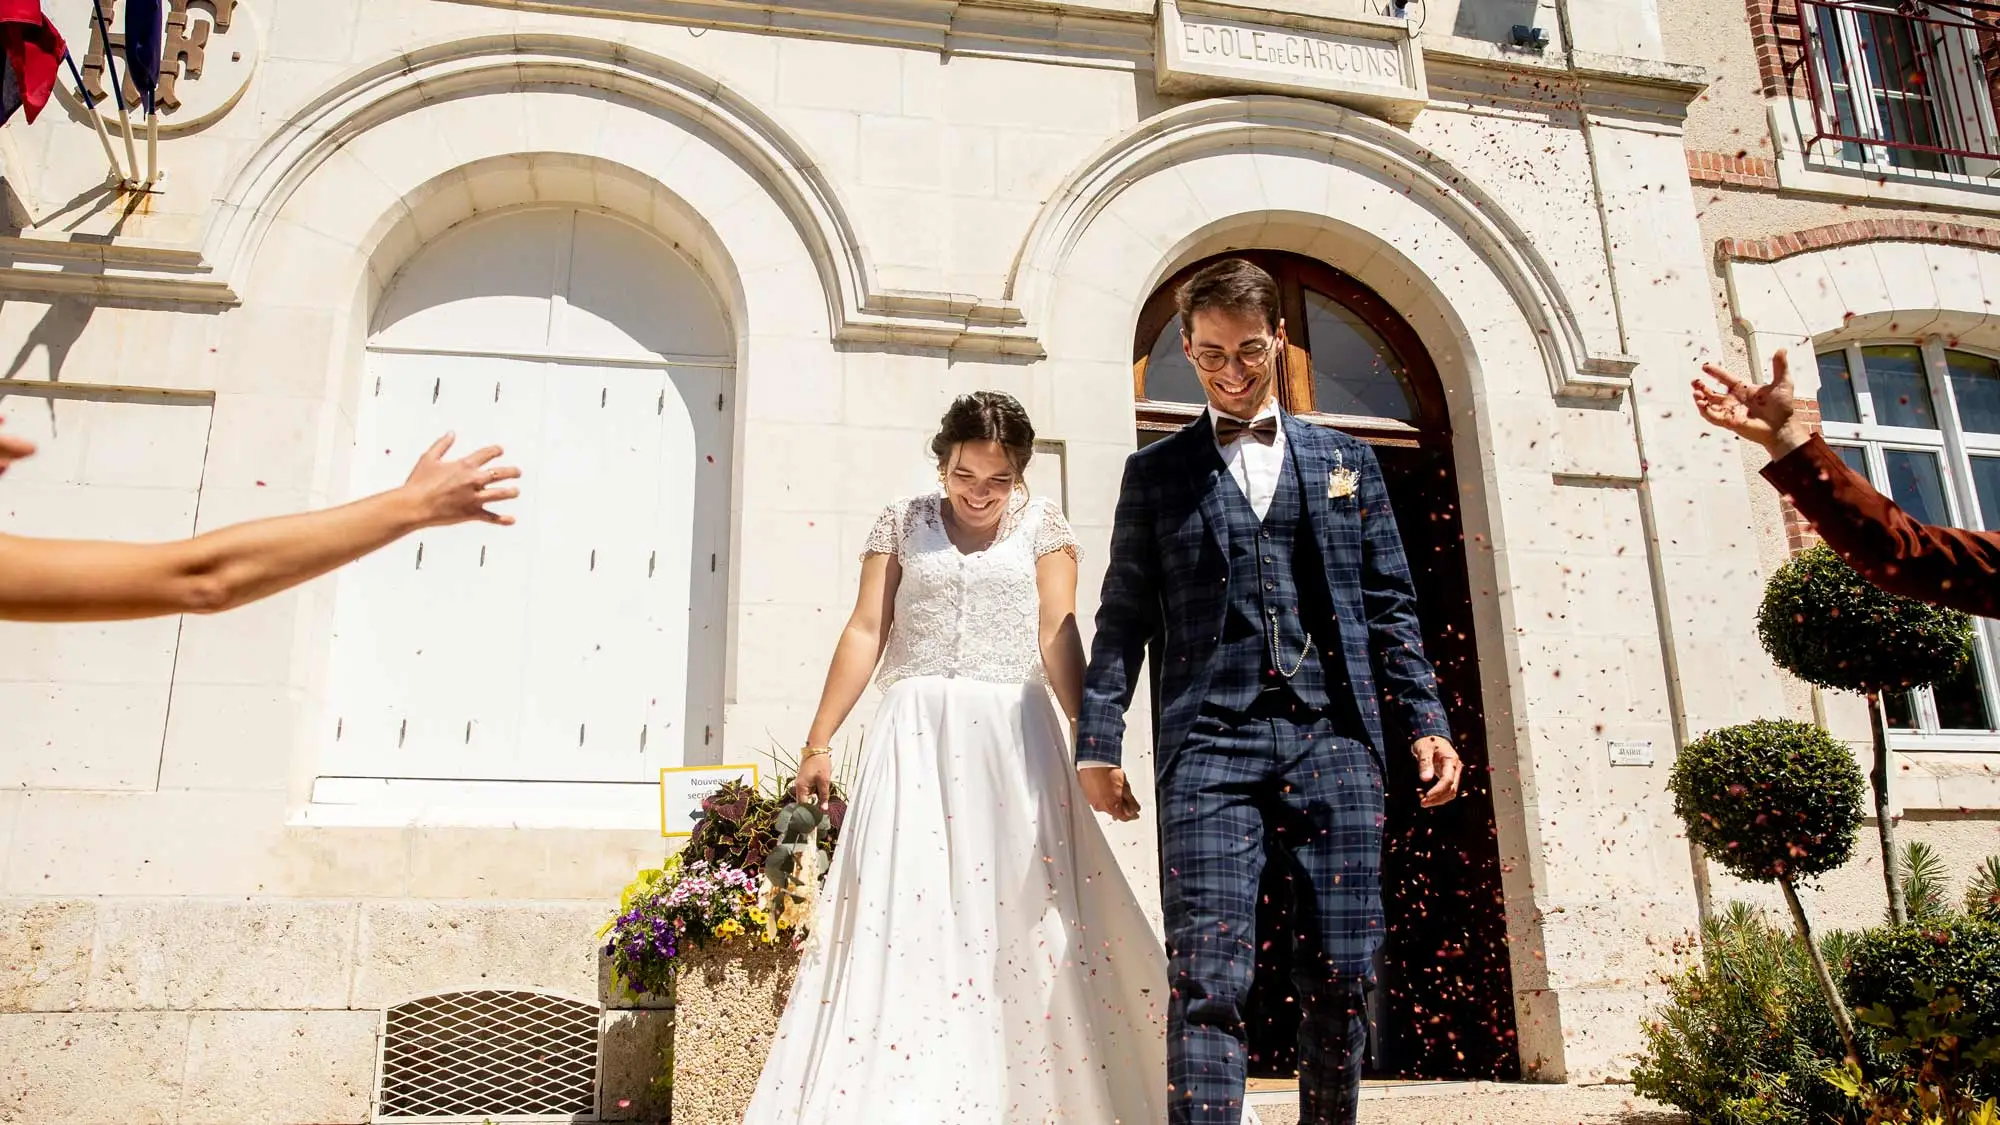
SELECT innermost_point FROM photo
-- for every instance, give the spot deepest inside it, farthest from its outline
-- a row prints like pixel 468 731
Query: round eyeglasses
pixel 1252 355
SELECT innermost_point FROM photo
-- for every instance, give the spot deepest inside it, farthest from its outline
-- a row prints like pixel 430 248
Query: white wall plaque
pixel 683 788
pixel 1369 62
pixel 1631 753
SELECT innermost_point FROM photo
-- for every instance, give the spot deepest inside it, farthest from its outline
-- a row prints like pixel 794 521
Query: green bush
pixel 1982 895
pixel 1746 1037
pixel 1834 629
pixel 1894 974
pixel 1769 799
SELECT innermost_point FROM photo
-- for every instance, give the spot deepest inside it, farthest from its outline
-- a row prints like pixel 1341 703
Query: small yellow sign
pixel 684 788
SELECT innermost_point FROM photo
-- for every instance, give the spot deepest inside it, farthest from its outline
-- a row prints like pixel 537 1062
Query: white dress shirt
pixel 1255 466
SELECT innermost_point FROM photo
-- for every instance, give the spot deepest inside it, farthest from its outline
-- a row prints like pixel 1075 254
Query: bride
pixel 978 956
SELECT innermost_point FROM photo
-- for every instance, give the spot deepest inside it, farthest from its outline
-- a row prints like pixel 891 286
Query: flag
pixel 30 51
pixel 144 35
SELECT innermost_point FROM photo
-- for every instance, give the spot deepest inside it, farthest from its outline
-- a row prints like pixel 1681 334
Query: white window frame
pixel 1954 449
pixel 1956 130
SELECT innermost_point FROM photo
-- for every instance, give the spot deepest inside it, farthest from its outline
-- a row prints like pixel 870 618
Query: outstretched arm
pixel 90 580
pixel 1396 639
pixel 1942 565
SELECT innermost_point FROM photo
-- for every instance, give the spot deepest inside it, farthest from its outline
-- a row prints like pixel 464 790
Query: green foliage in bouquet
pixel 1834 629
pixel 1769 800
pixel 1745 1037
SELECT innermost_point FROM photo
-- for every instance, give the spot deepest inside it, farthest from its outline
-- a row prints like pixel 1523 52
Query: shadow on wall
pixel 55 333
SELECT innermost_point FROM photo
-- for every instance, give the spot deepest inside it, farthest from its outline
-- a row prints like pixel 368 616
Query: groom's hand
pixel 1439 767
pixel 1108 792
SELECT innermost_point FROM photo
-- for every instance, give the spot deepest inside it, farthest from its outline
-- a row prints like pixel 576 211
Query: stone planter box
pixel 726 1007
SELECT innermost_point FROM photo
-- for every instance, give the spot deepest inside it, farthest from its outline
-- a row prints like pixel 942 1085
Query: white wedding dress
pixel 979 957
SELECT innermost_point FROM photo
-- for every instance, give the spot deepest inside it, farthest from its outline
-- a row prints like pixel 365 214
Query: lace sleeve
pixel 886 536
pixel 1052 533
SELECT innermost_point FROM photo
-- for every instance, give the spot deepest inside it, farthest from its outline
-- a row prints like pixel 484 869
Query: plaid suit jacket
pixel 1168 583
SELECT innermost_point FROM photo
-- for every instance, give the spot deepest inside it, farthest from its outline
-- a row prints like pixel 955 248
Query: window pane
pixel 1169 375
pixel 1855 458
pixel 1916 483
pixel 1961 703
pixel 1836 389
pixel 1899 387
pixel 1986 485
pixel 1975 383
pixel 1354 371
pixel 1899 710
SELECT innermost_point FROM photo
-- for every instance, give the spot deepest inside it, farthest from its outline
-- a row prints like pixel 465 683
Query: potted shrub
pixel 1774 801
pixel 1824 623
pixel 718 928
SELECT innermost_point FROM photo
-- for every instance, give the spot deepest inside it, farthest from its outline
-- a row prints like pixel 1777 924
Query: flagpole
pixel 117 91
pixel 90 108
pixel 152 141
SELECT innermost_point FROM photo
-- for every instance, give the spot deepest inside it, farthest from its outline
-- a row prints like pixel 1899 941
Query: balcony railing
pixel 1903 86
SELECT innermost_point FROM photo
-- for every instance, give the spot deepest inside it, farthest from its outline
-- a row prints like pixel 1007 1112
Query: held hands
pixel 446 492
pixel 1760 414
pixel 1109 792
pixel 1437 763
pixel 14 449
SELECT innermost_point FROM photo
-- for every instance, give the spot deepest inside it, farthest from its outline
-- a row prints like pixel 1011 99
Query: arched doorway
pixel 532 665
pixel 1445 1007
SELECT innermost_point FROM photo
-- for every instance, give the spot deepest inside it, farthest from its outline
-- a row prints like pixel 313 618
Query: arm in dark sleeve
pixel 1942 565
pixel 1389 598
pixel 1128 616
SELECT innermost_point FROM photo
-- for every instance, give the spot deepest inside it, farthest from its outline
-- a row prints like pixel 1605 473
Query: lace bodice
pixel 971 616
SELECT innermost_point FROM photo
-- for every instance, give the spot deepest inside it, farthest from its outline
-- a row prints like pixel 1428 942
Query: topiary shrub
pixel 1824 623
pixel 1834 629
pixel 1769 799
pixel 1774 801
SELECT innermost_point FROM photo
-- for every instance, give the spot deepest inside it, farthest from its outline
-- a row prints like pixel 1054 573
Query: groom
pixel 1260 553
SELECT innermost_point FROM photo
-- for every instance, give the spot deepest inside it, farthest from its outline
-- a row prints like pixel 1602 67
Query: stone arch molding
pixel 1265 126
pixel 1903 290
pixel 459 68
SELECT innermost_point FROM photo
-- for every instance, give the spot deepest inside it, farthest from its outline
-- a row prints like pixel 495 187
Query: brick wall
pixel 1798 533
pixel 1718 169
pixel 1860 230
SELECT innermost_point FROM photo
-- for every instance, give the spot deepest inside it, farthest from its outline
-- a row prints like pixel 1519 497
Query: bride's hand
pixel 1109 792
pixel 815 780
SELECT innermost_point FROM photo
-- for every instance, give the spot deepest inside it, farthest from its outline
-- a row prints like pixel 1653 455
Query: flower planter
pixel 727 1001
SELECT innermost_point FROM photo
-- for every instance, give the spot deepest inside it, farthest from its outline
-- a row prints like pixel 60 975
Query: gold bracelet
pixel 811 752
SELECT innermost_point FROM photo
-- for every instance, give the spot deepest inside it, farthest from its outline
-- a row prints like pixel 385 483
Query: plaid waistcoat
pixel 1264 635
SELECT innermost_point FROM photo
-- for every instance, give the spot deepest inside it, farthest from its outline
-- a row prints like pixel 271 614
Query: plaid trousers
pixel 1283 772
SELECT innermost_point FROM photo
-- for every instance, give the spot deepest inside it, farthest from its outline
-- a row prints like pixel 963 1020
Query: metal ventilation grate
pixel 489 1055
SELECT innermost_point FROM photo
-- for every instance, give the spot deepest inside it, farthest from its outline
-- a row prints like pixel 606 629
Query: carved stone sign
pixel 211 49
pixel 1371 63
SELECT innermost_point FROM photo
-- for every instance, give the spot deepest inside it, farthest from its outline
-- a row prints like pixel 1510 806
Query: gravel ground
pixel 1487 1104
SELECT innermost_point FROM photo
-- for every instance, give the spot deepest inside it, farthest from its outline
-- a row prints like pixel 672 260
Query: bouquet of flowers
pixel 751 871
pixel 677 907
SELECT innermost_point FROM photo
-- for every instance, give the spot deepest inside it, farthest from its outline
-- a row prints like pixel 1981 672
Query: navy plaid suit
pixel 1309 781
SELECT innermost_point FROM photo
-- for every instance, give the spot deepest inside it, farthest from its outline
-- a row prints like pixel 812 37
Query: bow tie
pixel 1228 430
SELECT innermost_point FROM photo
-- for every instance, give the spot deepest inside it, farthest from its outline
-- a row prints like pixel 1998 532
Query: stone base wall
pixel 267 1011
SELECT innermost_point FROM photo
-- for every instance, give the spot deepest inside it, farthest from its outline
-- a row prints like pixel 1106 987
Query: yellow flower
pixel 729 929
pixel 760 918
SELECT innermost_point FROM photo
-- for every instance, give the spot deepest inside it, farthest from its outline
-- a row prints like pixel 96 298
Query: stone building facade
pixel 1865 241
pixel 249 857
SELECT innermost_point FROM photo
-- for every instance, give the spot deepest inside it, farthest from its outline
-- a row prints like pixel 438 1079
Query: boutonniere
pixel 1342 481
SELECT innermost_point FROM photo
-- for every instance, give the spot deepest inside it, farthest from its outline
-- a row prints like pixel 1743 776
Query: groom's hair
pixel 1232 285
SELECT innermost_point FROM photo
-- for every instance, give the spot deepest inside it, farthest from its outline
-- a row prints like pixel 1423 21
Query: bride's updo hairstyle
pixel 986 416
